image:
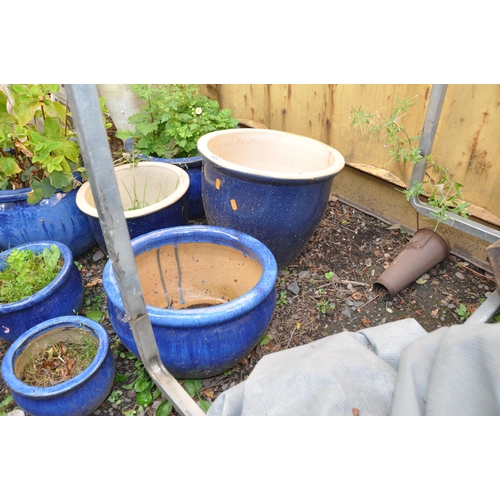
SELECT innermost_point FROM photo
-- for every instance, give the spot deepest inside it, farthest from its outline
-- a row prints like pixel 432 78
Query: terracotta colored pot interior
pixel 49 337
pixel 195 275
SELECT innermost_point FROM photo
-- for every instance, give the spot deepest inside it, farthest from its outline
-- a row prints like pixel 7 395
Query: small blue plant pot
pixel 80 395
pixel 272 185
pixel 192 165
pixel 210 295
pixel 56 218
pixel 160 189
pixel 62 296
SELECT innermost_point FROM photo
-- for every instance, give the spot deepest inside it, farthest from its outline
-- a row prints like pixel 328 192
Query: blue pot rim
pixel 129 145
pixel 54 285
pixel 17 347
pixel 12 195
pixel 275 137
pixel 210 315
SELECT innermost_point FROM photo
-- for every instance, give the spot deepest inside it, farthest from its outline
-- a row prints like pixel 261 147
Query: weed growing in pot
pixel 444 195
pixel 27 273
pixel 59 361
pixel 172 120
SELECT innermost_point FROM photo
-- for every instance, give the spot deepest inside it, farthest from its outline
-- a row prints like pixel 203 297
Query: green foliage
pixel 282 300
pixel 37 146
pixel 193 388
pixel 329 275
pixel 172 120
pixel 147 392
pixel 4 404
pixel 445 196
pixel 462 312
pixel 324 305
pixel 27 273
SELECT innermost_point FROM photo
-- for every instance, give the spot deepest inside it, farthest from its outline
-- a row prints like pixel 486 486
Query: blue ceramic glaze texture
pixel 63 296
pixel 56 218
pixel 192 166
pixel 173 215
pixel 80 395
pixel 202 342
pixel 269 184
pixel 281 214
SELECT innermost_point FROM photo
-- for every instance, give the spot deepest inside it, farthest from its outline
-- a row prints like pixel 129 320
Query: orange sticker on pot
pixel 217 183
pixel 233 205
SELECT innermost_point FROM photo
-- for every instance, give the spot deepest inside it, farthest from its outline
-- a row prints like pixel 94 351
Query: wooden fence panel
pixel 466 140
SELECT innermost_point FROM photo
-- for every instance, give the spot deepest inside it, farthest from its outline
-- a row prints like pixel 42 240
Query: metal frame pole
pixel 93 141
pixel 431 122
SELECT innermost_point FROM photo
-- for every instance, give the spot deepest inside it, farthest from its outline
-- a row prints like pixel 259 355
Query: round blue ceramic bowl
pixel 80 395
pixel 210 295
pixel 192 165
pixel 56 218
pixel 63 296
pixel 160 189
pixel 269 184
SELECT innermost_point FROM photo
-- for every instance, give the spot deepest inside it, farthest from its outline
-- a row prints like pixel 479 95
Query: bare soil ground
pixel 328 289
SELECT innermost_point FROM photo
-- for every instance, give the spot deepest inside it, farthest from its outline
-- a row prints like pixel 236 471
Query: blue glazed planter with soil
pixel 56 218
pixel 269 184
pixel 153 196
pixel 192 166
pixel 210 295
pixel 62 296
pixel 79 395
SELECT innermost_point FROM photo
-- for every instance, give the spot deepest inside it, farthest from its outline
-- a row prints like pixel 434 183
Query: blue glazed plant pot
pixel 56 218
pixel 269 184
pixel 192 166
pixel 159 189
pixel 61 297
pixel 80 395
pixel 210 295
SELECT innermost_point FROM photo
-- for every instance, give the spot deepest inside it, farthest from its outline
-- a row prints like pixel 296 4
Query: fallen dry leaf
pixel 355 412
pixel 366 322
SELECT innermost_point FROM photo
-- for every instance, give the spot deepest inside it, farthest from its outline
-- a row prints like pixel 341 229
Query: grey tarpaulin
pixel 392 369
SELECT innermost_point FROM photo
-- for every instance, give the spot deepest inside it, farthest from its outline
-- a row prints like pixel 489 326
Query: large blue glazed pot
pixel 77 396
pixel 160 190
pixel 269 184
pixel 62 296
pixel 192 165
pixel 210 295
pixel 56 218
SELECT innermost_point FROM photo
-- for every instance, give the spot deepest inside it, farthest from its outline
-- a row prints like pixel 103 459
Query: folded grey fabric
pixel 451 371
pixel 392 369
pixel 345 374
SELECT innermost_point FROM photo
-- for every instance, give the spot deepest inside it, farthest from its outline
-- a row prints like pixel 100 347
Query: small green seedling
pixel 282 300
pixel 462 312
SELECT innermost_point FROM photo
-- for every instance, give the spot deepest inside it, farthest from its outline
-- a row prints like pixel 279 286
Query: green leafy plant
pixel 38 149
pixel 4 404
pixel 462 312
pixel 324 305
pixel 172 120
pixel 27 272
pixel 444 195
pixel 282 300
pixel 193 388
